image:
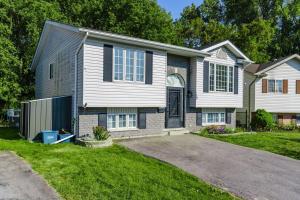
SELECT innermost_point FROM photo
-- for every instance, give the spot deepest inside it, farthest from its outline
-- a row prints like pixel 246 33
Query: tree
pixel 9 62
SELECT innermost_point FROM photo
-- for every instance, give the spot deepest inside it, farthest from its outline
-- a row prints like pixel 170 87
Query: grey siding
pixel 60 50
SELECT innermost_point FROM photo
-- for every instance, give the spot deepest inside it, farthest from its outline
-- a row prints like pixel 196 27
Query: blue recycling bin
pixel 62 136
pixel 49 136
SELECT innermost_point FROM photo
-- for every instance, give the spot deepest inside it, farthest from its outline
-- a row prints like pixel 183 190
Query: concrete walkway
pixel 246 172
pixel 19 182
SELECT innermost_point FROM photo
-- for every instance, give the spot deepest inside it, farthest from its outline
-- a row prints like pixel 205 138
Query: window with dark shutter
pixel 264 85
pixel 108 63
pixel 285 86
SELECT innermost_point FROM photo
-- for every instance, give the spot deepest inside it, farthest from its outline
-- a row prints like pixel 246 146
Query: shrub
pixel 100 133
pixel 262 121
pixel 288 127
pixel 217 130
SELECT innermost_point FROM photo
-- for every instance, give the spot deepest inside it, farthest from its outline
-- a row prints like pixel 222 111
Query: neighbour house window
pixel 275 86
pixel 213 118
pixel 220 78
pixel 129 65
pixel 121 121
pixel 51 71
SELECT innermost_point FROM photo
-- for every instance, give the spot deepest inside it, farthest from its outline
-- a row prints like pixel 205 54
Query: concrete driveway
pixel 246 172
pixel 19 182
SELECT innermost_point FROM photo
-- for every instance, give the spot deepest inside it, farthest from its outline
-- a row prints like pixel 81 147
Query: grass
pixel 111 173
pixel 283 143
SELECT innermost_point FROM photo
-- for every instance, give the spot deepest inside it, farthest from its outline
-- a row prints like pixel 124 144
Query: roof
pixel 261 68
pixel 227 44
pixel 116 38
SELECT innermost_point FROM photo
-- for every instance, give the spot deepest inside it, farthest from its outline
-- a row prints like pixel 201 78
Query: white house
pixel 275 87
pixel 137 87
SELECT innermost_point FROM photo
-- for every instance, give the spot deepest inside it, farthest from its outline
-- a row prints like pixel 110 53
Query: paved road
pixel 246 172
pixel 19 182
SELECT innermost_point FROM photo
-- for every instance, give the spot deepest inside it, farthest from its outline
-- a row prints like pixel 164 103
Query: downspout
pixel 75 107
pixel 249 104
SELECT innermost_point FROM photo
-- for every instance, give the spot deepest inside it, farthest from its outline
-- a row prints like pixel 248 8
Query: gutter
pixel 144 43
pixel 75 107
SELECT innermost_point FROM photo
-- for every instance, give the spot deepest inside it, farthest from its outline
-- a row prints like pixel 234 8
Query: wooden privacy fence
pixel 45 114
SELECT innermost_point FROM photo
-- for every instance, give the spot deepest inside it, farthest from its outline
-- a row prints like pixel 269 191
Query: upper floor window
pixel 275 86
pixel 51 71
pixel 129 64
pixel 220 78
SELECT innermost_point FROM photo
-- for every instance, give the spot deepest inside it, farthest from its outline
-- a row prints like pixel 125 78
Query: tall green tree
pixel 9 61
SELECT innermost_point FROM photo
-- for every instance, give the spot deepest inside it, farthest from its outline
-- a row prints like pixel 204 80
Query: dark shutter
pixel 141 120
pixel 236 79
pixel 297 86
pixel 108 63
pixel 102 120
pixel 298 119
pixel 199 117
pixel 264 86
pixel 285 87
pixel 205 76
pixel 149 67
pixel 228 114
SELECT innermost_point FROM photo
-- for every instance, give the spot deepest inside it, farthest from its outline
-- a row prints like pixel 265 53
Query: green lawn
pixel 283 143
pixel 112 173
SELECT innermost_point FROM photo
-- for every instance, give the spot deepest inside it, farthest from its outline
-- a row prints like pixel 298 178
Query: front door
pixel 174 114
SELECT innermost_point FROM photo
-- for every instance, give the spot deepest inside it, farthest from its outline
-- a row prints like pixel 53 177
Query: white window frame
pixel 275 86
pixel 205 118
pixel 124 50
pixel 215 78
pixel 127 127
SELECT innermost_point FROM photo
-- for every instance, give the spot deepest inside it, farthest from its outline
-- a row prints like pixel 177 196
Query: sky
pixel 176 6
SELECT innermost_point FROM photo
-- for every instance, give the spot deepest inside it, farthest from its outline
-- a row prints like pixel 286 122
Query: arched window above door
pixel 175 80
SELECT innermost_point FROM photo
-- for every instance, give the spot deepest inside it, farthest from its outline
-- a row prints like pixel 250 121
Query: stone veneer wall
pixel 155 123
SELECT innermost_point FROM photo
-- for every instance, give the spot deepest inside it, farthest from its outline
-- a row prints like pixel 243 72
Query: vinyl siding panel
pixel 218 99
pixel 193 79
pixel 59 49
pixel 120 93
pixel 286 103
pixel 80 77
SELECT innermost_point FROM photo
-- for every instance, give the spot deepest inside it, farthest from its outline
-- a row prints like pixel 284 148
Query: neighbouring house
pixel 137 87
pixel 275 87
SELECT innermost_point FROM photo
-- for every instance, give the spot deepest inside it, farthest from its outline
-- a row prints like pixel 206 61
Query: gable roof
pixel 261 68
pixel 229 45
pixel 179 50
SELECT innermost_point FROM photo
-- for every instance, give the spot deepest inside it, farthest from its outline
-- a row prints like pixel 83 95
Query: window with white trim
pixel 121 121
pixel 129 65
pixel 213 118
pixel 275 86
pixel 220 78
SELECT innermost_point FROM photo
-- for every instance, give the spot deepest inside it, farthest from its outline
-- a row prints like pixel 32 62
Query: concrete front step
pixel 176 131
